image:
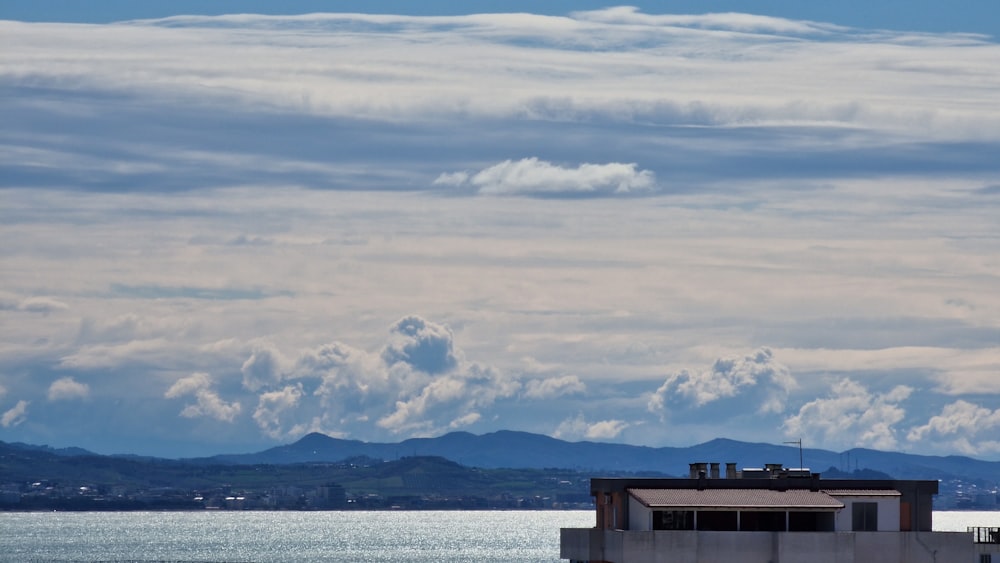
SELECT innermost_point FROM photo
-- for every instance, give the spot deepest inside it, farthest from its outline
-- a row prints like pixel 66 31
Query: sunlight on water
pixel 524 536
pixel 954 521
pixel 407 537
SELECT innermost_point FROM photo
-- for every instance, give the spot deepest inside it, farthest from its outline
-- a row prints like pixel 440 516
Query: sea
pixel 396 536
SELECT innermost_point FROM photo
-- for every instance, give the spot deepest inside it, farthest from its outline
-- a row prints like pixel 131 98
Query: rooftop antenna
pixel 799 442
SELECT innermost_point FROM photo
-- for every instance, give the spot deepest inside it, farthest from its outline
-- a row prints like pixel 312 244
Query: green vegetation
pixel 41 479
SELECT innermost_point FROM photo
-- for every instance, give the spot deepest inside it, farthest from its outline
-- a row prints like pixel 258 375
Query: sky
pixel 649 225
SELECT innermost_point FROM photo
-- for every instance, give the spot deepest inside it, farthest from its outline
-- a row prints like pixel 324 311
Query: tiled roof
pixel 862 492
pixel 735 498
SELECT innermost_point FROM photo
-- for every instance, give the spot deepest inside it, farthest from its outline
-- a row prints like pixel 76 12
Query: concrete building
pixel 767 515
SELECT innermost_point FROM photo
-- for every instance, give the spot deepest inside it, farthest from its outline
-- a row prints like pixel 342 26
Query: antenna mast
pixel 799 442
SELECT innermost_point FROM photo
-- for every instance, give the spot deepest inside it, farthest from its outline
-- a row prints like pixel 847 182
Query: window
pixel 673 520
pixel 865 516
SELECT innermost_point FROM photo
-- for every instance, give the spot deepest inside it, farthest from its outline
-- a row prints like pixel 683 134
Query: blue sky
pixel 653 225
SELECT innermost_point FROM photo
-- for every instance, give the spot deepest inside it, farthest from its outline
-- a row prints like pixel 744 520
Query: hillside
pixel 533 451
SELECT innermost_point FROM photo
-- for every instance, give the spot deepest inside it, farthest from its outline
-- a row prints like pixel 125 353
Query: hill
pixel 512 449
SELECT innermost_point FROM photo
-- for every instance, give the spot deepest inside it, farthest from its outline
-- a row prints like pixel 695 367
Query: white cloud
pixel 852 416
pixel 15 415
pixel 576 428
pixel 727 378
pixel 465 420
pixel 730 21
pixel 531 176
pixel 264 367
pixel 963 426
pixel 272 407
pixel 423 345
pixel 67 388
pixel 551 387
pixel 843 216
pixel 208 403
pixel 188 385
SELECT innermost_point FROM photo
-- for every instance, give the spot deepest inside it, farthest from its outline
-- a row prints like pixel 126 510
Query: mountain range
pixel 511 449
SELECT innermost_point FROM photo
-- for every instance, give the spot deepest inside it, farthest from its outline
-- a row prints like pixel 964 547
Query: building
pixel 767 515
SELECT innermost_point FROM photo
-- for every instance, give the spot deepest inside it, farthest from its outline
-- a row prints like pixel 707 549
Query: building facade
pixel 768 515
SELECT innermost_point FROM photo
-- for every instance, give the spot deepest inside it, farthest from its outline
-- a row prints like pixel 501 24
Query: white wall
pixel 618 546
pixel 888 512
pixel 640 516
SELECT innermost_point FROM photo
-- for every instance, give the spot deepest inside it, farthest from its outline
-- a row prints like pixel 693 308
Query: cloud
pixel 749 23
pixel 851 416
pixel 208 403
pixel 263 367
pixel 271 408
pixel 418 383
pixel 534 177
pixel 423 345
pixel 577 427
pixel 552 387
pixel 44 305
pixel 16 415
pixel 828 191
pixel 66 388
pixel 964 426
pixel 728 378
pixel 454 396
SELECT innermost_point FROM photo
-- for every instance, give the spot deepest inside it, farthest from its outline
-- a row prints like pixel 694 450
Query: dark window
pixel 673 520
pixel 717 521
pixel 762 521
pixel 985 558
pixel 865 516
pixel 810 522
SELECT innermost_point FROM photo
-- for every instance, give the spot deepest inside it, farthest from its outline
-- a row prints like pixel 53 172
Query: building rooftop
pixel 758 499
pixel 863 492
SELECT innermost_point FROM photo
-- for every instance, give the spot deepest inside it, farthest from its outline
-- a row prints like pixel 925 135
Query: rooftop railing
pixel 981 534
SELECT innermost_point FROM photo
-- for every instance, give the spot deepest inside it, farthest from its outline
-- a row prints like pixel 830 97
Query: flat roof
pixel 720 499
pixel 862 492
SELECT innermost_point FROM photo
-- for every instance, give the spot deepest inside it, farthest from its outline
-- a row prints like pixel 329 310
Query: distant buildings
pixel 769 515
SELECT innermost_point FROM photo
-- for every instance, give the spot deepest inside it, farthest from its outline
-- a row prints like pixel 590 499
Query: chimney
pixel 715 471
pixel 730 471
pixel 698 469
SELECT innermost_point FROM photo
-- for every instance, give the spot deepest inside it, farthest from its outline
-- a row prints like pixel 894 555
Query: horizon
pixel 794 449
pixel 600 223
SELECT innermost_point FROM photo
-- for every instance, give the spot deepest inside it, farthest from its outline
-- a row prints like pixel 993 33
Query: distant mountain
pixel 68 452
pixel 510 449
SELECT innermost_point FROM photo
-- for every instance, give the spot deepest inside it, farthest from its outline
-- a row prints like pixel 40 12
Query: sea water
pixel 411 537
pixel 403 536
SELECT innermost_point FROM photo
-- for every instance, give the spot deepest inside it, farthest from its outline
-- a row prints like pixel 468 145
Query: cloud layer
pixel 225 232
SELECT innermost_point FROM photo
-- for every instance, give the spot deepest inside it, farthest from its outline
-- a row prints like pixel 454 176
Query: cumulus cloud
pixel 551 387
pixel 851 416
pixel 424 345
pixel 727 378
pixel 534 177
pixel 577 427
pixel 272 408
pixel 67 388
pixel 16 415
pixel 418 383
pixel 964 426
pixel 262 368
pixel 207 401
pixel 454 396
